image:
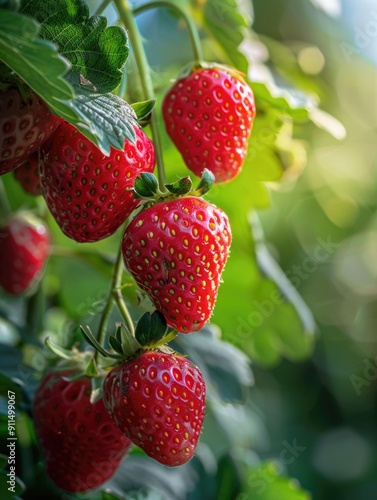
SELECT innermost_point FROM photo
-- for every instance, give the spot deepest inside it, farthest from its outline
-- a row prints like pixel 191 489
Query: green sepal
pixel 166 339
pixel 129 343
pixel 206 182
pixel 146 185
pixel 75 376
pixel 143 110
pixel 118 333
pixel 92 369
pixel 152 330
pixel 116 344
pixel 180 187
pixel 58 350
pixel 93 342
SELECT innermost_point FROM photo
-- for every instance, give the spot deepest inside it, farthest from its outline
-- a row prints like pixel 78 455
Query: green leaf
pixel 146 185
pixel 107 120
pixel 266 483
pixel 36 62
pixel 111 119
pixel 328 122
pixel 96 53
pixel 144 479
pixel 226 369
pixel 270 268
pixel 253 312
pixel 286 100
pixel 228 25
pixel 109 495
pixel 180 187
pixel 143 109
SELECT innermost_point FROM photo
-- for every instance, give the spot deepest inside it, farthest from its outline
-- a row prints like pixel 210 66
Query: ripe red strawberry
pixel 90 194
pixel 81 444
pixel 208 116
pixel 158 401
pixel 24 127
pixel 27 174
pixel 176 251
pixel 24 244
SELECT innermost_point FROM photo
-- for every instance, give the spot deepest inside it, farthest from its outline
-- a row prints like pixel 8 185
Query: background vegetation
pixel 304 208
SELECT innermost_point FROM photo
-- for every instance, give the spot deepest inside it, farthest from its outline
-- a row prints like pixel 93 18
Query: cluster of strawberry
pixel 175 246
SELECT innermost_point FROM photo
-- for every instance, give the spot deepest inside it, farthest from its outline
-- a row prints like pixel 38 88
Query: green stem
pixel 128 20
pixel 114 293
pixel 123 309
pixel 191 26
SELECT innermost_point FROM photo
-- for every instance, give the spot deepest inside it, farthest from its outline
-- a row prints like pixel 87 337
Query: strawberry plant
pixel 114 347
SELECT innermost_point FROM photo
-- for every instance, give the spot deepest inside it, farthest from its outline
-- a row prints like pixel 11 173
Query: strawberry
pixel 27 174
pixel 158 401
pixel 81 444
pixel 24 126
pixel 176 250
pixel 208 116
pixel 24 245
pixel 90 194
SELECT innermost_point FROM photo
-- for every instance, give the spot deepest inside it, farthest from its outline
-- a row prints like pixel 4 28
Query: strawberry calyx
pixel 151 333
pixel 146 187
pixel 80 364
pixel 190 68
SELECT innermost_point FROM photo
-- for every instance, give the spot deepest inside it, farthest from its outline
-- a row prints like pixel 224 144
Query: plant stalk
pixel 191 26
pixel 127 17
pixel 114 295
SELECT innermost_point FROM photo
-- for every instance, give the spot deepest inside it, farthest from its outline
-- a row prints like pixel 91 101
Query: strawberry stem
pixel 191 26
pixel 115 295
pixel 128 20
